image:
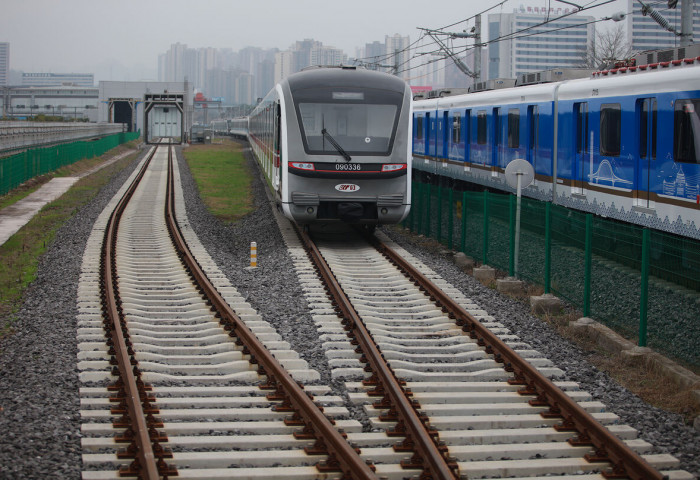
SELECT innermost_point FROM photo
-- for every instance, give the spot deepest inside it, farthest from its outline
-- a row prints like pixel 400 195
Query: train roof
pixel 640 83
pixel 344 77
pixel 643 82
pixel 534 93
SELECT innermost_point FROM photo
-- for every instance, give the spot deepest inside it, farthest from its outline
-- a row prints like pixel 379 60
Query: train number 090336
pixel 348 167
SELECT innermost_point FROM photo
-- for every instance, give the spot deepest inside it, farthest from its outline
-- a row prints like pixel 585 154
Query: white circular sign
pixel 519 168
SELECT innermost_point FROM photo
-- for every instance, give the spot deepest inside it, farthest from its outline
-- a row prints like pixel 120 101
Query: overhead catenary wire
pixel 520 33
pixel 412 47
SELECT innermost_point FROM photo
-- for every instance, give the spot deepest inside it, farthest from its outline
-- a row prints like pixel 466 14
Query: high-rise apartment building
pixel 533 39
pixel 644 33
pixel 398 54
pixel 374 55
pixel 303 54
pixel 4 63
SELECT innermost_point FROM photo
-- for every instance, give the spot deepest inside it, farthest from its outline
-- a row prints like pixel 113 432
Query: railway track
pixel 215 388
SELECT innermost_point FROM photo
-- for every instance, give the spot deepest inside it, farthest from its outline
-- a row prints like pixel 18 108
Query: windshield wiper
pixel 345 155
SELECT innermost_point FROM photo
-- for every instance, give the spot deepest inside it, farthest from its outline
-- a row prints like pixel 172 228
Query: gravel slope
pixel 40 418
pixel 42 412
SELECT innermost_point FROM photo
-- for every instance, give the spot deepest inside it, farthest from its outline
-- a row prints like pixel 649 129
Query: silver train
pixel 335 145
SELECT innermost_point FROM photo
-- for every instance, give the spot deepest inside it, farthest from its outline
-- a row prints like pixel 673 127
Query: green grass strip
pixel 223 179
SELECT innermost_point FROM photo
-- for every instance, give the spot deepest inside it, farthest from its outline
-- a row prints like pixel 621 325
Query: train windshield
pixel 360 122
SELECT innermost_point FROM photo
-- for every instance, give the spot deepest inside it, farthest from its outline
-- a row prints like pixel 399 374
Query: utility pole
pixel 476 35
pixel 687 22
pixel 686 33
pixel 477 48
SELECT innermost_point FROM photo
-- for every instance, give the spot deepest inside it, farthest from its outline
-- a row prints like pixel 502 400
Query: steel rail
pixel 146 463
pixel 348 459
pixel 434 463
pixel 626 463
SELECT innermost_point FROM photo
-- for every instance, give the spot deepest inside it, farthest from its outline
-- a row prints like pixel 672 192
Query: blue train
pixel 623 143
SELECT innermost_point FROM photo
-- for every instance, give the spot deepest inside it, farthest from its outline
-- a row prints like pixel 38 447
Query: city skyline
pixel 81 36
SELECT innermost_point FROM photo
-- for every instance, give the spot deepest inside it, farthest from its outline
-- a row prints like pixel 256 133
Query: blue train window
pixel 481 127
pixel 419 128
pixel 513 128
pixel 686 130
pixel 456 128
pixel 610 129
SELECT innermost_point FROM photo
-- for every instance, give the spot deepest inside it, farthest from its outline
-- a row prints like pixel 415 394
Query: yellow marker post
pixel 253 255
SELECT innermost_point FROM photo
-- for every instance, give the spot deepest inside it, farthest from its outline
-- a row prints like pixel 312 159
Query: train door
pixel 445 145
pixel 495 146
pixel 533 122
pixel 467 136
pixel 582 149
pixel 277 147
pixel 428 128
pixel 646 113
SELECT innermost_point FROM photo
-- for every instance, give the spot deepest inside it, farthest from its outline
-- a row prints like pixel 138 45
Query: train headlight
pixel 310 210
pixel 302 165
pixel 384 211
pixel 393 167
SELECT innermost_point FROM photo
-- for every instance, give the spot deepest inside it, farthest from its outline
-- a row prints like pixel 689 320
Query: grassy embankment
pixel 19 256
pixel 223 179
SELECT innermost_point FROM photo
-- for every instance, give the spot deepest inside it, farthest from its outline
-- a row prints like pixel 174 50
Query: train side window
pixel 481 127
pixel 419 127
pixel 513 128
pixel 610 129
pixel 456 128
pixel 686 130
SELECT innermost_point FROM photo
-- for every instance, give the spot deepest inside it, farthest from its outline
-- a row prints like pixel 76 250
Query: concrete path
pixel 15 216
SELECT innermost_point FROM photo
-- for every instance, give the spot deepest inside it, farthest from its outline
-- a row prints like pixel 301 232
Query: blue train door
pixel 428 128
pixel 444 151
pixel 495 147
pixel 533 122
pixel 646 113
pixel 583 150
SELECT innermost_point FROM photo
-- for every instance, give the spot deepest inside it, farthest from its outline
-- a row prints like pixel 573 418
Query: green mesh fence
pixel 642 283
pixel 17 169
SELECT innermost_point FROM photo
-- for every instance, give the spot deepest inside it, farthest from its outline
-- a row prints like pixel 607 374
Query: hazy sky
pixel 121 39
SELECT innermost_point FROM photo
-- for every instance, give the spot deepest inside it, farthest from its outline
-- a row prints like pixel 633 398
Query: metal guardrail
pixel 21 135
pixel 20 167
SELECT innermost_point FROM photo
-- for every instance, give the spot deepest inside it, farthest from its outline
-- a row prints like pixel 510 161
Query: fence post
pixel 463 233
pixel 411 216
pixel 587 266
pixel 486 227
pixel 439 215
pixel 547 247
pixel 644 294
pixel 511 230
pixel 419 207
pixel 428 208
pixel 450 218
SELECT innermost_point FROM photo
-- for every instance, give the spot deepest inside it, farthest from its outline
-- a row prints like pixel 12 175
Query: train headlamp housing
pixel 302 166
pixel 393 167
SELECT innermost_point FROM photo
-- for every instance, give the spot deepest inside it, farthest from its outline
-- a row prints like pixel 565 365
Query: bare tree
pixel 607 47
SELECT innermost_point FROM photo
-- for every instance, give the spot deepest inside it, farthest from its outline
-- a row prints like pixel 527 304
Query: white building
pixel 283 64
pixel 520 42
pixel 53 79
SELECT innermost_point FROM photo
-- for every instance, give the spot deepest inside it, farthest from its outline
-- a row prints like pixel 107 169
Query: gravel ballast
pixel 38 373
